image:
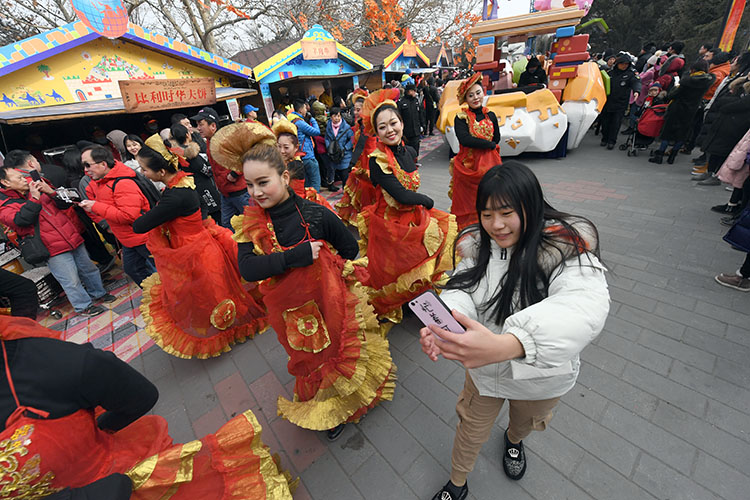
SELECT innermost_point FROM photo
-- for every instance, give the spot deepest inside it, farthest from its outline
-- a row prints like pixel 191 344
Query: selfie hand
pixel 316 246
pixel 427 340
pixel 43 187
pixel 477 346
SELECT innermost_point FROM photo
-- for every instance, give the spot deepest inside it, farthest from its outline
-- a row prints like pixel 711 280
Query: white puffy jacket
pixel 553 331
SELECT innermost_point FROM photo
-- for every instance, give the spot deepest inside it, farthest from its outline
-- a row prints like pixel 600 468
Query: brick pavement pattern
pixel 661 408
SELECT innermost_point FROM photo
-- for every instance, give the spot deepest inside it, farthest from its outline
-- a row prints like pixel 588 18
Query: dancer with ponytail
pixel 195 305
pixel 301 253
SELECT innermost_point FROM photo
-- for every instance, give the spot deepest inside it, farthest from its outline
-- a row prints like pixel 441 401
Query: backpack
pixel 335 153
pixel 146 186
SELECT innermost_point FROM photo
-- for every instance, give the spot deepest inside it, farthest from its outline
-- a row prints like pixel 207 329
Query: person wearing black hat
pixel 234 195
pixel 533 75
pixel 646 52
pixel 408 106
pixel 622 81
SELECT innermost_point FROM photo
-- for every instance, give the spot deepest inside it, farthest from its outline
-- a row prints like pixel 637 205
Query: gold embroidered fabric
pixel 23 481
pixel 224 314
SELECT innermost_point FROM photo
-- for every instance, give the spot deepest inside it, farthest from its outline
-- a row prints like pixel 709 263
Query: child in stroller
pixel 649 123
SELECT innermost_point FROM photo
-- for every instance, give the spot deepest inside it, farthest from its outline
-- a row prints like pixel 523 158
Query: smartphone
pixel 35 175
pixel 432 311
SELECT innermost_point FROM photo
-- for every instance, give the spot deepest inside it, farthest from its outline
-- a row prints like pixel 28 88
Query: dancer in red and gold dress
pixel 195 305
pixel 286 139
pixel 358 191
pixel 75 427
pixel 407 242
pixel 301 252
pixel 478 134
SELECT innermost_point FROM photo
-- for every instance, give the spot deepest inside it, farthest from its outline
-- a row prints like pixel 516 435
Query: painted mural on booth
pixel 90 72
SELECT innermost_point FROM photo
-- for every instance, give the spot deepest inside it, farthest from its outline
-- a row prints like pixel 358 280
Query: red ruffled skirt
pixel 341 364
pixel 408 248
pixel 196 306
pixel 467 168
pixel 51 454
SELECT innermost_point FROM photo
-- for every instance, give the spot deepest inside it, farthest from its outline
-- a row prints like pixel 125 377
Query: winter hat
pixel 623 58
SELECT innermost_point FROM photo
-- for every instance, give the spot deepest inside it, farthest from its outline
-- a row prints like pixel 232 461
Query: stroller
pixel 649 127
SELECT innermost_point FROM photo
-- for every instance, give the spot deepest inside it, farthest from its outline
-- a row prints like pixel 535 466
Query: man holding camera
pixel 28 204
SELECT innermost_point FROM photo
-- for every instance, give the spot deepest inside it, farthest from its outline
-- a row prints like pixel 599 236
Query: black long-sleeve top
pixel 324 225
pixel 174 202
pixel 465 138
pixel 62 378
pixel 406 158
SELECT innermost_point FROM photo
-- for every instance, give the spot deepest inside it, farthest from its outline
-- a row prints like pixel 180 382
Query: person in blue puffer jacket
pixel 340 132
pixel 305 132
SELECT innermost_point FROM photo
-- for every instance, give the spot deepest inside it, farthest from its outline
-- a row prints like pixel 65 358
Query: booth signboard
pixel 410 51
pixel 140 96
pixel 314 49
pixel 234 109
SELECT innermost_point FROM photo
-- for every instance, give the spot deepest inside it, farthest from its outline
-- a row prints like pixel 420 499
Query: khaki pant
pixel 476 416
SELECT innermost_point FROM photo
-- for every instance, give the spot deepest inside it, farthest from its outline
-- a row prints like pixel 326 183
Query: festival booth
pixel 290 69
pixel 408 55
pixel 58 86
pixel 533 120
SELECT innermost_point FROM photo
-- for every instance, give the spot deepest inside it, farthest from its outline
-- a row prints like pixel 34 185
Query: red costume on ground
pixel 196 305
pixel 41 456
pixel 341 364
pixel 469 166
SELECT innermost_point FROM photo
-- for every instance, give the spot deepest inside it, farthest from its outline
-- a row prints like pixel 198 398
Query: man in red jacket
pixel 119 201
pixel 234 195
pixel 25 204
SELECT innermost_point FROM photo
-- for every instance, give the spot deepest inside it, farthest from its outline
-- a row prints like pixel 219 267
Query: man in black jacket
pixel 408 106
pixel 622 80
pixel 431 99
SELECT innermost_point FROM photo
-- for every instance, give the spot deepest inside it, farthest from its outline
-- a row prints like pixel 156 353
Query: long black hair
pixel 513 185
pixel 131 138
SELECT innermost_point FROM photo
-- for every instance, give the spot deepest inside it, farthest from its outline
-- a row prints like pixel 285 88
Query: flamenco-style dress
pixel 478 134
pixel 195 305
pixel 319 310
pixel 408 244
pixel 74 428
pixel 358 191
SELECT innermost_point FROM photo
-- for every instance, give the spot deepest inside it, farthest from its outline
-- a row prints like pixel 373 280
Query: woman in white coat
pixel 531 294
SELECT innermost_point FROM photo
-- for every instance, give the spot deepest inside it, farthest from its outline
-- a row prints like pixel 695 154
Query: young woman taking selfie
pixel 531 293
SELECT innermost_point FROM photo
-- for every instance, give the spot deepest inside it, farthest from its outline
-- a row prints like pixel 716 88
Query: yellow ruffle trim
pixel 239 234
pixel 237 453
pixel 170 337
pixel 347 400
pixel 414 281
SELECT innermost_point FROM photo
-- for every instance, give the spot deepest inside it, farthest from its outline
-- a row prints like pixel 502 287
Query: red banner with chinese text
pixel 140 96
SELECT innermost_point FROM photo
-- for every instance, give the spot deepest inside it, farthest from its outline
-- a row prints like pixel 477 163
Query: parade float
pixel 298 68
pixel 533 120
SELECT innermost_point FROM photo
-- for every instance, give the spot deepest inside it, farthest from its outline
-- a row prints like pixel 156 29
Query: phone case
pixel 432 311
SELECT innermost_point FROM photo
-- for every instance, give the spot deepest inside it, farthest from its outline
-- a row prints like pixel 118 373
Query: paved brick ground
pixel 662 407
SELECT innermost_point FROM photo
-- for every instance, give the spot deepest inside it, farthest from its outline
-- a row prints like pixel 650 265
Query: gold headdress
pixel 374 102
pixel 466 84
pixel 284 126
pixel 156 143
pixel 230 143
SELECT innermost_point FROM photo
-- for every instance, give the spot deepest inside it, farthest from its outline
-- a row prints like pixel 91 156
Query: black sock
pixel 454 490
